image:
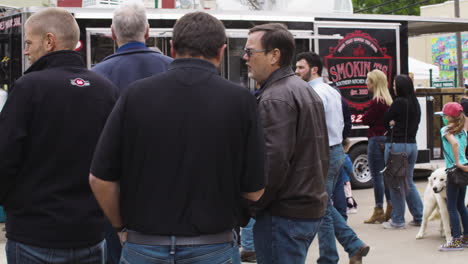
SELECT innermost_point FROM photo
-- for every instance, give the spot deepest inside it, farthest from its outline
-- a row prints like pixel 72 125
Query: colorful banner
pixel 444 55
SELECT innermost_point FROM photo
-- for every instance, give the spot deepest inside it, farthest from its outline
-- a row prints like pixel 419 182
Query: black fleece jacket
pixel 49 127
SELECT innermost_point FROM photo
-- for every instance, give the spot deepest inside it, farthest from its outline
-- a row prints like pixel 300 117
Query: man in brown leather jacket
pixel 289 214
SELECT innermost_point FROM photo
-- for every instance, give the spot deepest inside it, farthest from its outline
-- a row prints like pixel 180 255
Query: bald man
pixel 49 128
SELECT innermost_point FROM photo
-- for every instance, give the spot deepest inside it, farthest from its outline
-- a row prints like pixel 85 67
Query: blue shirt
pixel 132 61
pixel 131 45
pixel 333 110
pixel 447 147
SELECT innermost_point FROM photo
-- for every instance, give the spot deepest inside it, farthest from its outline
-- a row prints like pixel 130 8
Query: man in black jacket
pixel 178 153
pixel 49 128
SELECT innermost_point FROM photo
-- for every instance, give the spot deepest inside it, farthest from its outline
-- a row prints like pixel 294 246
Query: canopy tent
pixel 421 69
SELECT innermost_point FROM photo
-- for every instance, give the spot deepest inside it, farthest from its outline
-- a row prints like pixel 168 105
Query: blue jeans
pixel 283 240
pixel 247 240
pixel 333 223
pixel 199 254
pixel 339 197
pixel 412 196
pixel 376 159
pixel 456 208
pixel 19 253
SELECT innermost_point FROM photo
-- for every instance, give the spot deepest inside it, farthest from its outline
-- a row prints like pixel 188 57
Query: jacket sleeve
pixel 371 114
pixel 107 164
pixel 393 112
pixel 278 120
pixel 253 176
pixel 14 123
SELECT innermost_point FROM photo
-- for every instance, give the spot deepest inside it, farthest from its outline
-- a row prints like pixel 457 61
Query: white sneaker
pixel 352 210
pixel 389 225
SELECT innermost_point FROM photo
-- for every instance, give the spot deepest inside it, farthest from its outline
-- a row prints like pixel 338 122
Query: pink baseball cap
pixel 452 109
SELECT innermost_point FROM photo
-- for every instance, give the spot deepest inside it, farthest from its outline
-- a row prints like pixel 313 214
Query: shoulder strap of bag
pixel 406 128
pixel 447 155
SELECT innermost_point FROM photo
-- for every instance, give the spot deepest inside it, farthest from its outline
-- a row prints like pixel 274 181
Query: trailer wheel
pixel 361 177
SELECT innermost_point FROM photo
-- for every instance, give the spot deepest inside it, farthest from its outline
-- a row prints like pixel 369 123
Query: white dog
pixel 435 200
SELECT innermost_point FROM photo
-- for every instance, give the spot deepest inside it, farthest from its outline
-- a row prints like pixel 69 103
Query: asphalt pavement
pixel 387 246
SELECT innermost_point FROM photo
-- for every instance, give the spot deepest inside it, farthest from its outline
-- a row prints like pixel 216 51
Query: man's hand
pixel 122 237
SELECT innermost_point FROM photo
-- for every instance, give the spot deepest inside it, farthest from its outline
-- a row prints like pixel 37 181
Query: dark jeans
pixel 376 164
pixel 19 253
pixel 283 240
pixel 339 197
pixel 457 209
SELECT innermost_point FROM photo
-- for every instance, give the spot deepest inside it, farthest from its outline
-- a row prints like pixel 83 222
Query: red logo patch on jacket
pixel 79 82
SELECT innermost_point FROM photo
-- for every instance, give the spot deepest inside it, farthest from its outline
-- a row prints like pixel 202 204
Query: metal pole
pixel 455 79
pixel 460 80
pixel 430 77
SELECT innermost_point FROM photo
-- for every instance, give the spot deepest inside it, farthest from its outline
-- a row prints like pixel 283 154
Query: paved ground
pixel 387 246
pixel 395 246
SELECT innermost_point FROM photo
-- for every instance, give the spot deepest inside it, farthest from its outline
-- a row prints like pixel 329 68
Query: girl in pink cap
pixel 454 144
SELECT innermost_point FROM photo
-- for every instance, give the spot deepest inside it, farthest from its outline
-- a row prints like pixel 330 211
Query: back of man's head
pixel 130 23
pixel 58 22
pixel 198 34
pixel 277 36
pixel 312 59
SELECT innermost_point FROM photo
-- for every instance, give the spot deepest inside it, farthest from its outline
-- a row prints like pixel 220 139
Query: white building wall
pixel 315 6
pixel 26 3
pixel 107 3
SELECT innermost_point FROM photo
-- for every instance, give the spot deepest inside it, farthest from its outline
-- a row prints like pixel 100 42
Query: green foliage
pixel 390 6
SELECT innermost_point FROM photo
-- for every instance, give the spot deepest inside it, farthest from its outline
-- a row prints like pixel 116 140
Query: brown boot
pixel 377 217
pixel 362 252
pixel 388 212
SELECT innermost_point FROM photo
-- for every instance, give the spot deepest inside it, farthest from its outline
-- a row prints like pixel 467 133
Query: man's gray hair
pixel 129 22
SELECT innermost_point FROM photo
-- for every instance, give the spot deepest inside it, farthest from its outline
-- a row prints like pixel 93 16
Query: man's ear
pixel 275 57
pixel 173 52
pixel 314 70
pixel 50 42
pixel 147 31
pixel 114 37
pixel 220 55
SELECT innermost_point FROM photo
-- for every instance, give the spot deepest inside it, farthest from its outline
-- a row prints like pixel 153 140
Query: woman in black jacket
pixel 402 121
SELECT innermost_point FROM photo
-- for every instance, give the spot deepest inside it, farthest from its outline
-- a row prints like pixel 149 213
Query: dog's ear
pixel 430 179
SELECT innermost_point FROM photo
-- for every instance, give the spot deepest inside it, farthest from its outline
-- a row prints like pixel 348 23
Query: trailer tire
pixel 361 177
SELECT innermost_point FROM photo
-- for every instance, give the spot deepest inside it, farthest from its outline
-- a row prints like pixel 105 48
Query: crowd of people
pixel 147 158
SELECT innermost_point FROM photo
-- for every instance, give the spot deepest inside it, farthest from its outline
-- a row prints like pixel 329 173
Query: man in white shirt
pixel 309 67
